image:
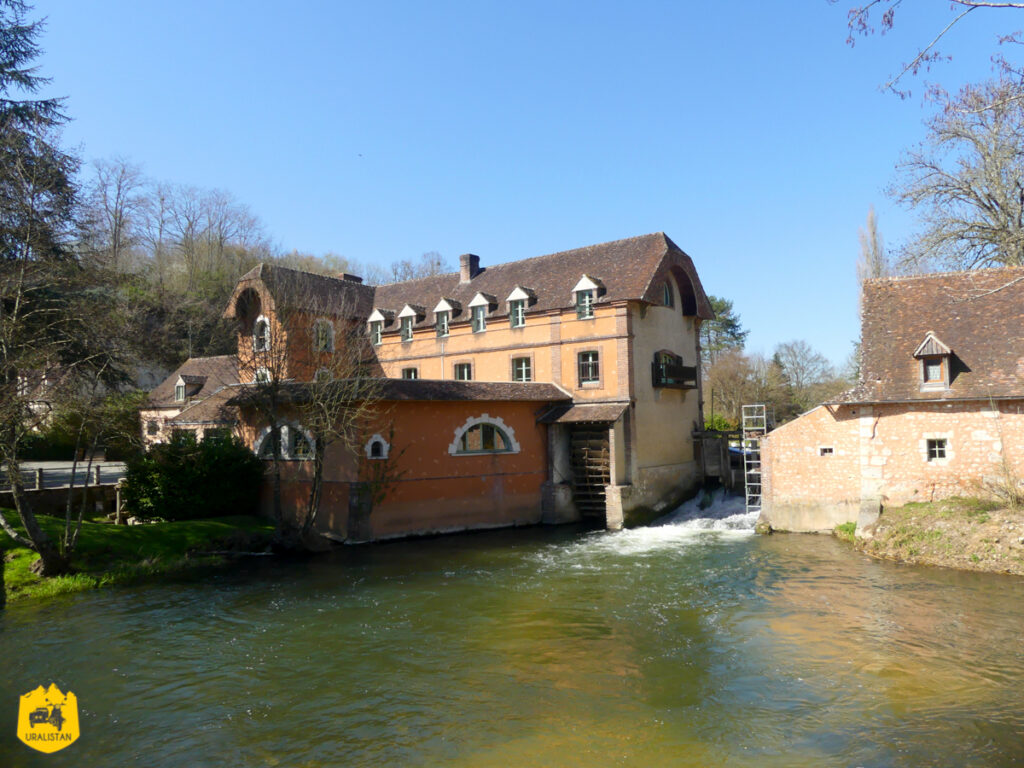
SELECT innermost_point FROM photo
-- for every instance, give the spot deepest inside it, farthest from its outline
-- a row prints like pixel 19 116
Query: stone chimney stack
pixel 351 278
pixel 469 267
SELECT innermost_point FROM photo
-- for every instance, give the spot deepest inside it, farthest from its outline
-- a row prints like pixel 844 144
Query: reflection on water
pixel 691 642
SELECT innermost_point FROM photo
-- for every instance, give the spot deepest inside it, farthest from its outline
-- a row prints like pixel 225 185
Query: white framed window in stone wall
pixel 377 448
pixel 483 434
pixel 936 448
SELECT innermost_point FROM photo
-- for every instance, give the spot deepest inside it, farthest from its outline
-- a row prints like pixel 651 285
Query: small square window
pixel 936 449
pixel 410 373
pixel 522 369
pixel 463 371
pixel 932 370
pixel 826 450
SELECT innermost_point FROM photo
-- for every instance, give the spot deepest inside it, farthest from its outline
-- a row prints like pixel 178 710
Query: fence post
pixel 96 470
pixel 39 478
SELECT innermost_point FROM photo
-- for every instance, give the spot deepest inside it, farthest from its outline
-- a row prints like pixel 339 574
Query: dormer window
pixel 445 310
pixel 179 391
pixel 409 316
pixel 932 370
pixel 518 301
pixel 935 357
pixel 261 335
pixel 479 308
pixel 585 295
pixel 377 320
pixel 479 319
pixel 584 304
pixel 517 313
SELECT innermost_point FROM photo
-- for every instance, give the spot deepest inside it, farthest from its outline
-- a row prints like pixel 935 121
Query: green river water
pixel 665 646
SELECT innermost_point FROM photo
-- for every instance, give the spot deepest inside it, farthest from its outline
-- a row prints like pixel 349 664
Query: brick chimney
pixel 469 267
pixel 350 278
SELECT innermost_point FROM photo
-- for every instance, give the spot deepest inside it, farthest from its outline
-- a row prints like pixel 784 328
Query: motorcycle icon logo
pixel 48 719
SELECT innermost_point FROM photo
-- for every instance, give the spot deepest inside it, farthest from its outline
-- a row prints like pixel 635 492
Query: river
pixel 690 643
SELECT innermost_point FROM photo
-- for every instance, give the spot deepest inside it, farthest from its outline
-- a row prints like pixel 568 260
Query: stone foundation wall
pixel 880 455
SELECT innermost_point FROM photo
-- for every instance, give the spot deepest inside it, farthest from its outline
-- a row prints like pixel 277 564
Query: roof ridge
pixel 943 273
pixel 534 258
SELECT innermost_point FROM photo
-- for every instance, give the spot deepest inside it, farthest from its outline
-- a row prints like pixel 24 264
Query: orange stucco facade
pixel 429 488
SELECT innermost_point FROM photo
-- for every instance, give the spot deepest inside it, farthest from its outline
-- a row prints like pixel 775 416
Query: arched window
pixel 323 336
pixel 377 448
pixel 668 298
pixel 261 335
pixel 483 434
pixel 296 443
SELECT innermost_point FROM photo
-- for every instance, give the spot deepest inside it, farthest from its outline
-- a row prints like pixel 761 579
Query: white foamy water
pixel 722 514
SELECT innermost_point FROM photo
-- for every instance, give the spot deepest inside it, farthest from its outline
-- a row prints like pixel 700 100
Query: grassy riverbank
pixel 115 554
pixel 964 533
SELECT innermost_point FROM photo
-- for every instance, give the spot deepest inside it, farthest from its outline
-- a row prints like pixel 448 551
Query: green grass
pixel 113 554
pixel 845 531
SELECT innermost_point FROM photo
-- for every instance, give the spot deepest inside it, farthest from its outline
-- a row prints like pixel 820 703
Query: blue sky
pixel 748 131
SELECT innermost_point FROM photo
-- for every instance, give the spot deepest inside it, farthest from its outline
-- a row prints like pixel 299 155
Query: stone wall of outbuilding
pixel 879 456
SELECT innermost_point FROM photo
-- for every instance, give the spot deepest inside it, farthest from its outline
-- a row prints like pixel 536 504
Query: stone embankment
pixel 968 534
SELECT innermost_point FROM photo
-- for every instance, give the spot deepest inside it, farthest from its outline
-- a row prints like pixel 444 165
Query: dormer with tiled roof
pixel 947 336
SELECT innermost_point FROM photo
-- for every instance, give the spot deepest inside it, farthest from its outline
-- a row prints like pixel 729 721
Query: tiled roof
pixel 213 410
pixel 306 290
pixel 214 372
pixel 633 268
pixel 437 390
pixel 579 413
pixel 979 317
pixel 629 269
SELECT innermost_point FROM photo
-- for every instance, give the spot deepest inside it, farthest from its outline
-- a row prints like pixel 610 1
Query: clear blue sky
pixel 748 131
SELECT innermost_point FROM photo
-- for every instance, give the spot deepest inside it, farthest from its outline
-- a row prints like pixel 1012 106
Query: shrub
pixel 184 480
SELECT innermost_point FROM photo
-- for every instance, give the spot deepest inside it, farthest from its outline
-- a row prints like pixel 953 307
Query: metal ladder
pixel 754 428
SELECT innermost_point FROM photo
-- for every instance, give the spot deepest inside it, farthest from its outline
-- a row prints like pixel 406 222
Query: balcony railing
pixel 673 375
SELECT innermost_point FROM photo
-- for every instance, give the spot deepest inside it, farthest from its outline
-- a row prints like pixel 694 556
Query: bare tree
pixel 430 263
pixel 966 183
pixel 114 201
pixel 873 261
pixel 863 21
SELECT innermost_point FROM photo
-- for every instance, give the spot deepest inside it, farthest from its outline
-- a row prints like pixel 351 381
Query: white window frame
pixel 179 391
pixel 261 342
pixel 376 332
pixel 442 322
pixel 286 442
pixel 494 421
pixel 517 313
pixel 407 323
pixel 529 368
pixel 377 440
pixel 479 318
pixel 596 363
pixel 457 366
pixel 410 370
